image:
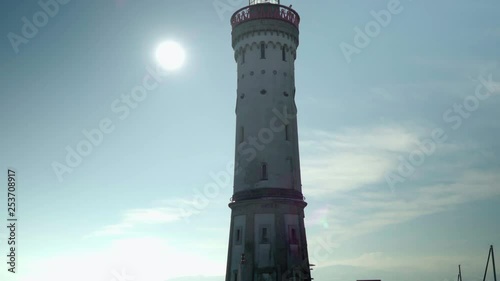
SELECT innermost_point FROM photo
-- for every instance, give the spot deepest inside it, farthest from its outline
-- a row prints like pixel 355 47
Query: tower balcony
pixel 265 11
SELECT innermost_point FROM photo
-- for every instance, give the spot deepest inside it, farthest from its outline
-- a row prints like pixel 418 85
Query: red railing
pixel 265 11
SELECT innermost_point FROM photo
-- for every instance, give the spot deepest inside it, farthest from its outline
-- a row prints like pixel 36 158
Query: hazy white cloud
pixel 365 212
pixel 134 217
pixel 114 229
pixel 351 159
pixel 347 166
pixel 145 258
pixel 153 215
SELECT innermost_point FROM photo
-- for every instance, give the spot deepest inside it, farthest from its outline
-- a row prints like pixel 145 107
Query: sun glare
pixel 170 55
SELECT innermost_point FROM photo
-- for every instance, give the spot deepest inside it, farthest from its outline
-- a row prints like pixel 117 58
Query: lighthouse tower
pixel 267 239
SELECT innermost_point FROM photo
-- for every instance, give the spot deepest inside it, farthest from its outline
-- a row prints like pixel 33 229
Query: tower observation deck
pixel 265 9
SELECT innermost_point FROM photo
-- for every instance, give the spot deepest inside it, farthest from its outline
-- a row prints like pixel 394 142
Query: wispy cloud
pixel 366 212
pixel 155 215
pixel 345 170
pixel 351 159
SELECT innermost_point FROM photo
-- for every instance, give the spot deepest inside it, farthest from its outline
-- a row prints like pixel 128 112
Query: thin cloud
pixel 351 159
pixel 367 212
pixel 135 217
pixel 348 169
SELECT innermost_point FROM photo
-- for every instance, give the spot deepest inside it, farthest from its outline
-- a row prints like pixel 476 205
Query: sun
pixel 170 55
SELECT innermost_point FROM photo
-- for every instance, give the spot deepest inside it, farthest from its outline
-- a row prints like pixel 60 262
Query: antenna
pixel 492 255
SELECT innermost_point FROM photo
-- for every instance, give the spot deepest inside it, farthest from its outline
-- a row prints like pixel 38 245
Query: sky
pixel 398 108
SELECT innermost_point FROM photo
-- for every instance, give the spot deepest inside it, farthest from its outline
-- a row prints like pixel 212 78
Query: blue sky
pixel 138 202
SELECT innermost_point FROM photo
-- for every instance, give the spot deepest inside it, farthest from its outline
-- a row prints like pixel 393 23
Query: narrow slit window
pixel 238 235
pixel 243 56
pixel 235 275
pixel 262 50
pixel 264 237
pixel 264 171
pixel 283 53
pixel 293 236
pixel 242 134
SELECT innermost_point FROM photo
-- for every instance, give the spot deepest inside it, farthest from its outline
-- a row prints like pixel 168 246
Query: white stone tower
pixel 267 238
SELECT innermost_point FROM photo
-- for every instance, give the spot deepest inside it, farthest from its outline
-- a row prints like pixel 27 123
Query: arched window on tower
pixel 283 53
pixel 262 50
